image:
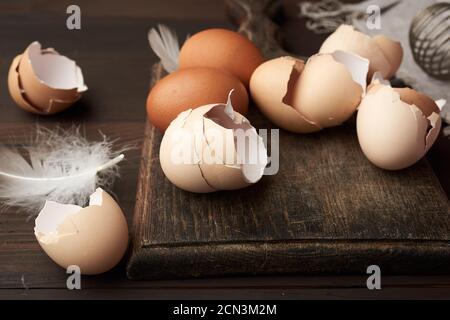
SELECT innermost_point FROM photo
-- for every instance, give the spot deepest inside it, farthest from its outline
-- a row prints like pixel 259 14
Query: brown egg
pixel 191 88
pixel 223 49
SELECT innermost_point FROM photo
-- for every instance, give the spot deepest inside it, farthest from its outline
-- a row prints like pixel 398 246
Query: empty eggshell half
pixel 44 82
pixel 396 127
pixel 212 148
pixel 385 55
pixel 93 238
pixel 306 98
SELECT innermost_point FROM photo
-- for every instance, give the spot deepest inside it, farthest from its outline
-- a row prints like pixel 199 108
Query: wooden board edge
pixel 144 174
pixel 306 257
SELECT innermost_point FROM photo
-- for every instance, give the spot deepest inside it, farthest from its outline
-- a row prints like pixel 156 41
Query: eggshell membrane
pixel 248 150
pixel 222 49
pixel 385 55
pixel 327 93
pixel 191 88
pixel 15 91
pixel 207 174
pixel 392 133
pixel 224 172
pixel 45 97
pixel 94 238
pixel 270 88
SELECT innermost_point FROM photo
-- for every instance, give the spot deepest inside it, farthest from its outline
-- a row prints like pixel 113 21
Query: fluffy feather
pixel 166 47
pixel 59 165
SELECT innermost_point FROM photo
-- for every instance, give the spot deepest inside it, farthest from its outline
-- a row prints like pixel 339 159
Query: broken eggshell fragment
pixel 306 98
pixel 385 55
pixel 212 148
pixel 396 127
pixel 93 238
pixel 44 82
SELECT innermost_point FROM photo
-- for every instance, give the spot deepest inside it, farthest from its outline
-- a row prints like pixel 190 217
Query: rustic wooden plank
pixel 115 24
pixel 327 210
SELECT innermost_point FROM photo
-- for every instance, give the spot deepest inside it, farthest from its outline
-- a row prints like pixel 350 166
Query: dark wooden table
pixel 113 52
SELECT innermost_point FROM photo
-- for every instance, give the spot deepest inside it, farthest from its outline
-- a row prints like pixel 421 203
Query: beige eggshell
pixel 330 87
pixel 220 160
pixel 94 238
pixel 241 147
pixel 210 137
pixel 270 87
pixel 428 107
pixel 385 55
pixel 393 52
pixel 392 133
pixel 49 81
pixel 17 94
pixel 185 175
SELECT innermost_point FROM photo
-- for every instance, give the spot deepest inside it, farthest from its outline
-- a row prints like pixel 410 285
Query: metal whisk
pixel 429 37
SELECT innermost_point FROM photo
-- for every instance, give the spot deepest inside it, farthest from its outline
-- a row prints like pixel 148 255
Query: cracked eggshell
pixel 94 238
pixel 191 88
pixel 15 91
pixel 271 87
pixel 306 98
pixel 330 88
pixel 179 143
pixel 221 49
pixel 47 81
pixel 224 166
pixel 208 169
pixel 396 127
pixel 385 55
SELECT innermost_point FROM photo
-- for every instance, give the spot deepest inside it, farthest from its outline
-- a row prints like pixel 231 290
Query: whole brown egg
pixel 222 49
pixel 190 88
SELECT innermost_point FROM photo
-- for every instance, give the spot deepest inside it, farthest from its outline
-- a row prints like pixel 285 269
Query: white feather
pixel 166 47
pixel 59 165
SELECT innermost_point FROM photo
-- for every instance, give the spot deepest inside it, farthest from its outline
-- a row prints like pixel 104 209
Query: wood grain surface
pixel 327 210
pixel 113 52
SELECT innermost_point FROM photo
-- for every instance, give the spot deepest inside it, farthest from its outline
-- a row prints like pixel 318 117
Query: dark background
pixel 113 51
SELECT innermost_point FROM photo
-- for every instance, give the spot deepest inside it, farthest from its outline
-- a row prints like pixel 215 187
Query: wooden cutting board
pixel 328 210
